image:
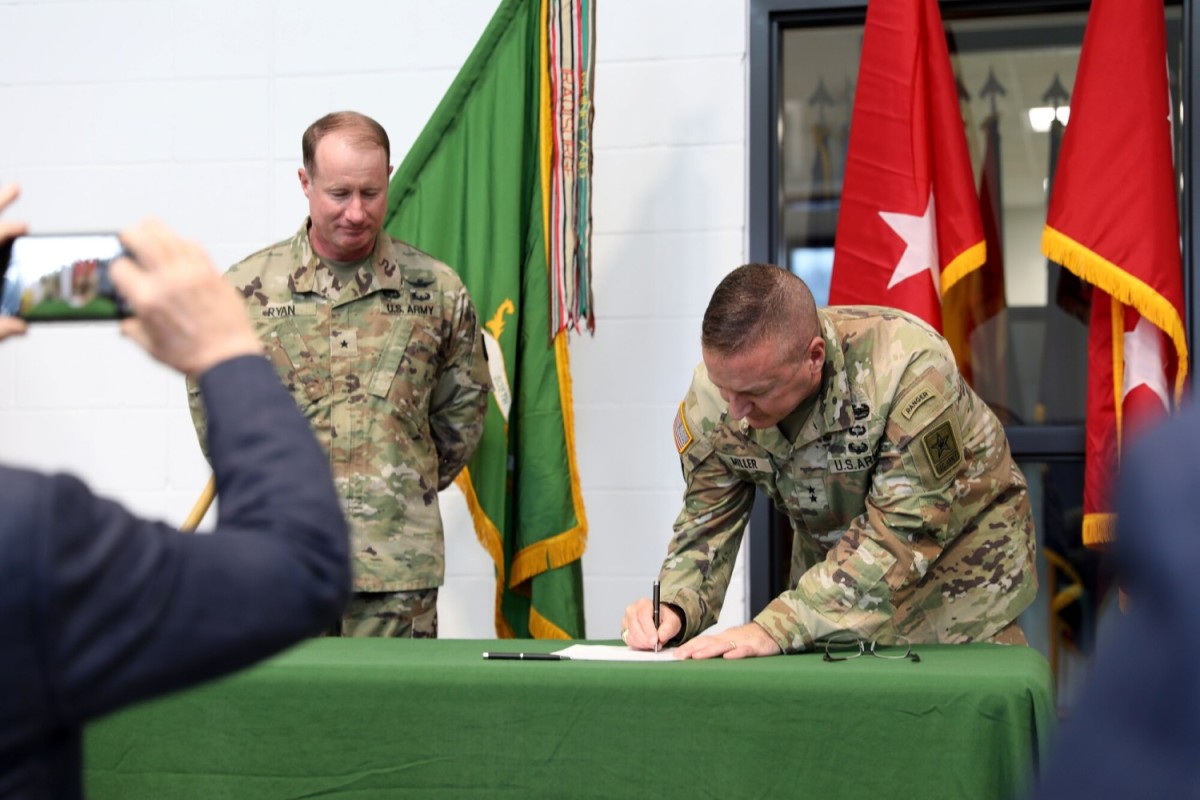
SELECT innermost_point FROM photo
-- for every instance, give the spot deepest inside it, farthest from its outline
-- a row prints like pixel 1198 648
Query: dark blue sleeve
pixel 1135 729
pixel 133 609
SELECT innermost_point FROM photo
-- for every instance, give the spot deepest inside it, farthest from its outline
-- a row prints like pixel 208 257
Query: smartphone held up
pixel 60 277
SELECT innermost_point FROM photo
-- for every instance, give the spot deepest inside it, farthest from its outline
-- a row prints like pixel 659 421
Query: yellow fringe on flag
pixel 1099 271
pixel 548 554
pixel 1099 529
pixel 542 628
pixel 568 546
pixel 488 536
pixel 551 553
pixel 963 265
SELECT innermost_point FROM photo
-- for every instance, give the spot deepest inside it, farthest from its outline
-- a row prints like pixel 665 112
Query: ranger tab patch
pixel 683 435
pixel 942 448
pixel 923 393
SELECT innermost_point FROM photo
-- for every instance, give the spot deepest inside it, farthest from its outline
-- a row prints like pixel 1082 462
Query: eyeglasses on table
pixel 846 648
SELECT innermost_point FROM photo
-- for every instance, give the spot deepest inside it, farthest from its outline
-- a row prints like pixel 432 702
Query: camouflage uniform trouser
pixel 405 615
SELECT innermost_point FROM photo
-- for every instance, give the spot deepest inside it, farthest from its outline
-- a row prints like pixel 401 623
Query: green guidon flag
pixel 497 186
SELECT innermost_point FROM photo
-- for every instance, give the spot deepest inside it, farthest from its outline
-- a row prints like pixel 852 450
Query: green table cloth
pixel 378 718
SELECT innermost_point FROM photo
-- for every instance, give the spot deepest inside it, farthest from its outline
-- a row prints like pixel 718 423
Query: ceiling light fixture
pixel 1041 116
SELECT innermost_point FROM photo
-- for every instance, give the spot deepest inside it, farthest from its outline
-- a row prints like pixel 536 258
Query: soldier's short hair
pixel 757 302
pixel 363 130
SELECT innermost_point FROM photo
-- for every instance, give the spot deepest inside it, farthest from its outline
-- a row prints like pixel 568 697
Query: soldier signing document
pixel 911 521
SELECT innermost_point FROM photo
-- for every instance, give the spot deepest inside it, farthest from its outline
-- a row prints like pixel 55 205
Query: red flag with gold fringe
pixel 909 226
pixel 1113 221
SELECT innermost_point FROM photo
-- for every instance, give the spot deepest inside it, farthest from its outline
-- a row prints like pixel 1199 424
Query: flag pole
pixel 201 506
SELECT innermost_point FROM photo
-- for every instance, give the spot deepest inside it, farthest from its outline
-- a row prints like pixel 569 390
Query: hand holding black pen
pixel 650 621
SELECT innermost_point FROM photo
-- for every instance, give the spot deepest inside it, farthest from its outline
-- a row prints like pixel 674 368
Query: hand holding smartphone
pixel 60 277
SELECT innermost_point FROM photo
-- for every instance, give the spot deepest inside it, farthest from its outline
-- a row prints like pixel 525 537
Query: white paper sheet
pixel 610 652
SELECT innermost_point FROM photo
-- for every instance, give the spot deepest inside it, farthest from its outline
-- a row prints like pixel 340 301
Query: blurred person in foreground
pixel 911 520
pixel 1134 731
pixel 380 346
pixel 100 608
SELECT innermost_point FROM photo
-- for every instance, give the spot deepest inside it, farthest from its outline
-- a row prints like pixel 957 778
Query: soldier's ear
pixel 305 183
pixel 815 355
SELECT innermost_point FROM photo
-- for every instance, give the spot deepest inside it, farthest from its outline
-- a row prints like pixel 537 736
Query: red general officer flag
pixel 909 224
pixel 1113 221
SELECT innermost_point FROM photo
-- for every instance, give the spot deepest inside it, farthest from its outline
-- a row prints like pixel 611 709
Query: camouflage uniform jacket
pixel 387 363
pixel 910 516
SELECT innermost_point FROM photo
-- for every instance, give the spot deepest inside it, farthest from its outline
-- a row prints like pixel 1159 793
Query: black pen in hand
pixel 657 615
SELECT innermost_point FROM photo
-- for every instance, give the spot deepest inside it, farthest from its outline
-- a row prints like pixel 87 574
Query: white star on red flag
pixel 920 239
pixel 1144 362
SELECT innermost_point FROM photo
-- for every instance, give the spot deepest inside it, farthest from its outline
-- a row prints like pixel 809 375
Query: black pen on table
pixel 657 617
pixel 492 655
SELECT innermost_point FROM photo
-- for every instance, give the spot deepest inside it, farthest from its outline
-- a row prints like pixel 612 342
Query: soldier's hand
pixel 744 641
pixel 637 627
pixel 185 314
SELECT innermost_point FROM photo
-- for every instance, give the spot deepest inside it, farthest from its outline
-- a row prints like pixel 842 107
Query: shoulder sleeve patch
pixel 683 434
pixel 921 394
pixel 942 448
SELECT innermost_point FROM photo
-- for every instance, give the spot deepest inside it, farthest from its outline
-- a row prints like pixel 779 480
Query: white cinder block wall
pixel 192 110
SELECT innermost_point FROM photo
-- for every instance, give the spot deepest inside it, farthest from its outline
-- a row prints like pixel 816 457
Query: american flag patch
pixel 683 436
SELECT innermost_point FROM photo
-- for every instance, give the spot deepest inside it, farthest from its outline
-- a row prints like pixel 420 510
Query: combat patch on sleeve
pixel 683 435
pixel 942 448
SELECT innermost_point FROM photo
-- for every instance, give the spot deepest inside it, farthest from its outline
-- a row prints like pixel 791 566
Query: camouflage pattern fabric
pixel 910 516
pixel 386 359
pixel 397 615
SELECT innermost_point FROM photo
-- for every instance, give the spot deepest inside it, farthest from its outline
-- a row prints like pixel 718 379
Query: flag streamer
pixel 571 72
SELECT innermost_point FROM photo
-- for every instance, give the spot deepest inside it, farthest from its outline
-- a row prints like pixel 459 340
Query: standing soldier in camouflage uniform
pixel 910 517
pixel 380 345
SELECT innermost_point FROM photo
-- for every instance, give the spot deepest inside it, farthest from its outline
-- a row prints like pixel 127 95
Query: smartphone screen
pixel 60 277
